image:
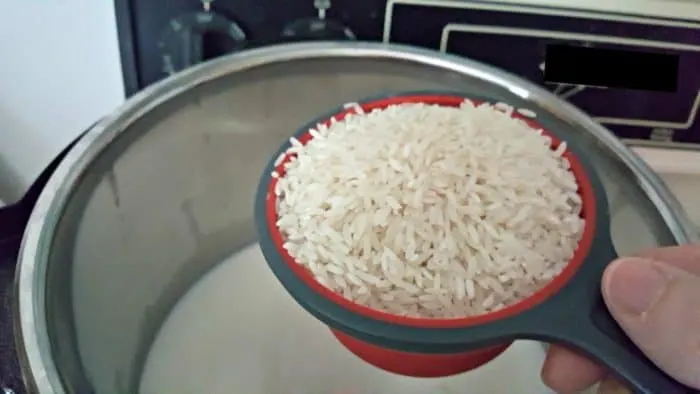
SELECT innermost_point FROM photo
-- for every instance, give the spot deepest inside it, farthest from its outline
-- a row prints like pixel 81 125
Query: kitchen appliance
pixel 156 41
pixel 660 41
pixel 158 194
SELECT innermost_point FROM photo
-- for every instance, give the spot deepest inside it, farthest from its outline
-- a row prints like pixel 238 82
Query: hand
pixel 655 298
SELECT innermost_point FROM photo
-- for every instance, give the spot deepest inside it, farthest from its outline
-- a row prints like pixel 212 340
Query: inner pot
pixel 159 194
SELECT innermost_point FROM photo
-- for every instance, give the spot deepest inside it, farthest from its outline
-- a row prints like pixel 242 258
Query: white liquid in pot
pixel 238 332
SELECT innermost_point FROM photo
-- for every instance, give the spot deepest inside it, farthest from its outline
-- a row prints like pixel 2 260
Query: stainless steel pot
pixel 159 193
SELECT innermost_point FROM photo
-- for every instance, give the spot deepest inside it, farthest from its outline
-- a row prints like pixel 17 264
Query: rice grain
pixel 430 211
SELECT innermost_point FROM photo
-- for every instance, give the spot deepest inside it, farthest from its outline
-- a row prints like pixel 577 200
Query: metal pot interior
pixel 163 191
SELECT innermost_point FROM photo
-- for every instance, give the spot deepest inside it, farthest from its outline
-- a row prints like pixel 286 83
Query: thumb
pixel 658 306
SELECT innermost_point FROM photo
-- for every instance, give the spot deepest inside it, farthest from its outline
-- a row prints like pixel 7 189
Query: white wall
pixel 59 72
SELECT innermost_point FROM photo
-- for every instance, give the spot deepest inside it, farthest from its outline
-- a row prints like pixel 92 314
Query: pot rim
pixel 34 348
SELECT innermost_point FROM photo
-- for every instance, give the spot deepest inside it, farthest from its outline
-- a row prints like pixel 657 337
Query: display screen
pixel 611 68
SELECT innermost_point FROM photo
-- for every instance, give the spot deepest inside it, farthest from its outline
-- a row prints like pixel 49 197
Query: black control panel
pixel 640 77
pixel 158 41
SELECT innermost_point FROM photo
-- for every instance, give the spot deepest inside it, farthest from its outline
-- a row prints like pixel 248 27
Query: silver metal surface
pixel 159 192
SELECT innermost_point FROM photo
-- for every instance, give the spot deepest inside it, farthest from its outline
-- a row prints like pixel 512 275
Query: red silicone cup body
pixel 419 365
pixel 434 364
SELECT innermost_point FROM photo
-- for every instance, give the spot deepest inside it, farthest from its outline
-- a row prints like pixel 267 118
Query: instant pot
pixel 138 270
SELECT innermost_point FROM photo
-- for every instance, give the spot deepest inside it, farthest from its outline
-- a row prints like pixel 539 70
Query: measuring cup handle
pixel 586 324
pixel 604 340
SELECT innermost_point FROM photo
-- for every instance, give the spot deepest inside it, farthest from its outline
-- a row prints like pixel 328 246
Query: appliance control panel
pixel 635 73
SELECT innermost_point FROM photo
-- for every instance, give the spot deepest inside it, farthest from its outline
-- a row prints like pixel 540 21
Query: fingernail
pixel 633 285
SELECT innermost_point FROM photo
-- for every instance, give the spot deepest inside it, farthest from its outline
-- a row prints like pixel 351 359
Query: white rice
pixel 430 211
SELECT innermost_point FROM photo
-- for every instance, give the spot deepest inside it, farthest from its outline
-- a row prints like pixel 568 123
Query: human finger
pixel 658 306
pixel 566 371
